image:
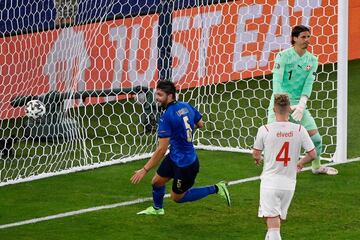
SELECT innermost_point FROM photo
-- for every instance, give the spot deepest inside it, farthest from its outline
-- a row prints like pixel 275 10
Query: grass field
pixel 327 211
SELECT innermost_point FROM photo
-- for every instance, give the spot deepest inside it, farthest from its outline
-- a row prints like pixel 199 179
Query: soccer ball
pixel 140 98
pixel 35 109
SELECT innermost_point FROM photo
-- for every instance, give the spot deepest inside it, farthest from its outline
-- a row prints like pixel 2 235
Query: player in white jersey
pixel 281 142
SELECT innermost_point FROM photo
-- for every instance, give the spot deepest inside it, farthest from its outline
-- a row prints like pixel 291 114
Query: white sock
pixel 273 234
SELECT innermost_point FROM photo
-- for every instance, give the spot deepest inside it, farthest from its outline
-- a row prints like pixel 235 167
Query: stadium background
pixel 328 211
pixel 31 26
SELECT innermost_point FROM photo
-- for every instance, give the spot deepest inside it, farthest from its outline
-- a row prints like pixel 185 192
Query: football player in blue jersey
pixel 175 128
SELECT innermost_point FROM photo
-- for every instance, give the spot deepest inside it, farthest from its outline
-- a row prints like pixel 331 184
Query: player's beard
pixel 161 105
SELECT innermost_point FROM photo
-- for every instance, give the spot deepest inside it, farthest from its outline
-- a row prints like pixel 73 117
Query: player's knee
pixel 176 197
pixel 154 182
pixel 158 181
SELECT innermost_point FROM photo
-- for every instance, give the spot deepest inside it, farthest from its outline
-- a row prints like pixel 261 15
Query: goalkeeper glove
pixel 299 109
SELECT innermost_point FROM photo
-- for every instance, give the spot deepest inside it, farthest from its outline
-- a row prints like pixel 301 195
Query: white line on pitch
pixel 127 203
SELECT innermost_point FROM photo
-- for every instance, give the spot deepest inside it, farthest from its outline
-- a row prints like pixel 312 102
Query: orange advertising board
pixel 216 43
pixel 354 29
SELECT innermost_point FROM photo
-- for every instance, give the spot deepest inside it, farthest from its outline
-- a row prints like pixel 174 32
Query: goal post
pixel 220 54
pixel 342 83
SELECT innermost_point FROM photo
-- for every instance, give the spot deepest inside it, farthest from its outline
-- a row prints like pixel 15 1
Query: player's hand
pixel 298 112
pixel 293 107
pixel 300 166
pixel 138 176
pixel 258 162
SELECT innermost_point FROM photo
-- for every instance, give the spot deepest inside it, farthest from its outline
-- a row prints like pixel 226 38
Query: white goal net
pixel 94 64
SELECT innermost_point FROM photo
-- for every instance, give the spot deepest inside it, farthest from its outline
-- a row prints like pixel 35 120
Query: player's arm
pixel 308 85
pixel 164 134
pixel 309 147
pixel 256 154
pixel 305 94
pixel 158 154
pixel 199 124
pixel 153 161
pixel 258 146
pixel 278 73
pixel 309 156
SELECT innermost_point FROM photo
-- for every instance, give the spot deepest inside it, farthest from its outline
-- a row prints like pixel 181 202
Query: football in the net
pixel 140 97
pixel 35 109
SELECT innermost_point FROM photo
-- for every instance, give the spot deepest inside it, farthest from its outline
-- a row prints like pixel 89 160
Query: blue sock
pixel 194 194
pixel 158 196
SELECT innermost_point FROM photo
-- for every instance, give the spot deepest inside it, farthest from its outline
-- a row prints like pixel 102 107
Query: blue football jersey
pixel 177 122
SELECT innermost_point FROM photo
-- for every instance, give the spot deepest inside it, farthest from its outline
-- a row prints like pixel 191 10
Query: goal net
pixel 94 65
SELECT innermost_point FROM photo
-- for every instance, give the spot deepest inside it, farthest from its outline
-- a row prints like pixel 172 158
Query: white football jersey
pixel 281 143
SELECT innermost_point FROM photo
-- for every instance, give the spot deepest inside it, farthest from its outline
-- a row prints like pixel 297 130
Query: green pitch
pixel 329 211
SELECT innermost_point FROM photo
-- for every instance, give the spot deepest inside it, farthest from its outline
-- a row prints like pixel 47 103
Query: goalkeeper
pixel 294 73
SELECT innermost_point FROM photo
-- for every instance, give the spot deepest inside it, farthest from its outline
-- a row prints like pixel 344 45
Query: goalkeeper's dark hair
pixel 295 32
pixel 282 102
pixel 167 86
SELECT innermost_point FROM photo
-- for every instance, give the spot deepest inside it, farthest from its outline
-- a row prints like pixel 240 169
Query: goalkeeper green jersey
pixel 293 74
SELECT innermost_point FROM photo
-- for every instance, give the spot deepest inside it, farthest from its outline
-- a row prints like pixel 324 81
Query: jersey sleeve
pixel 307 89
pixel 278 72
pixel 259 141
pixel 307 143
pixel 164 129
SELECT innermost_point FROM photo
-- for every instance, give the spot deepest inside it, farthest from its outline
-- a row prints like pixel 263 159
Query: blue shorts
pixel 184 177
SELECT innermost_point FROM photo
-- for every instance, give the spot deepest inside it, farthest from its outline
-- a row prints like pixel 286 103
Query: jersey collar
pixel 295 52
pixel 172 103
